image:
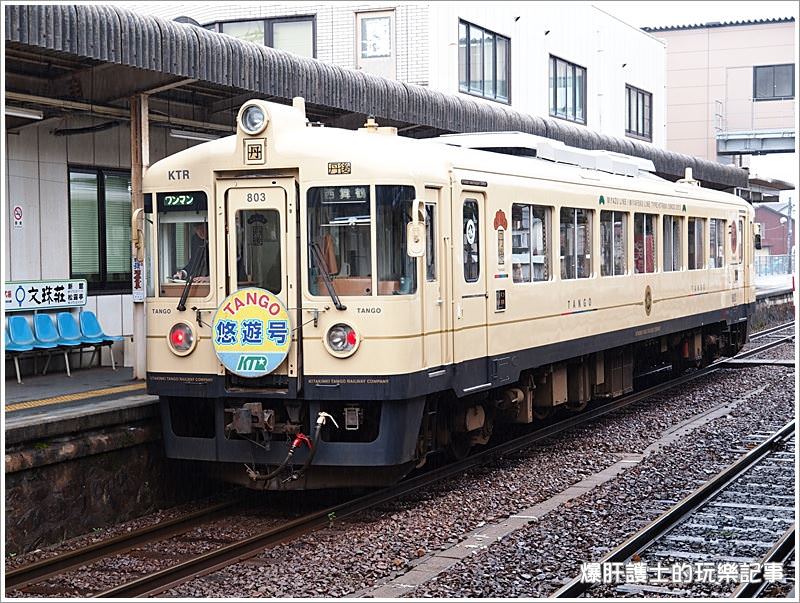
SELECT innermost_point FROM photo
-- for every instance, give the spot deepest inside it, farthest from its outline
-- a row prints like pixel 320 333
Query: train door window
pixel 672 243
pixel 397 272
pixel 697 247
pixel 576 243
pixel 737 242
pixel 613 243
pixel 471 235
pixel 339 228
pixel 430 242
pixel 258 249
pixel 716 239
pixel 530 237
pixel 644 243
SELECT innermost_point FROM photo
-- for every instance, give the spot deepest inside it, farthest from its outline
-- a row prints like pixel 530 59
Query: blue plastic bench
pixel 20 333
pixel 70 331
pixel 15 350
pixel 93 333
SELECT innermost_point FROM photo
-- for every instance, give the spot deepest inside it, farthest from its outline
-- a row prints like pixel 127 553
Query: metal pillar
pixel 140 160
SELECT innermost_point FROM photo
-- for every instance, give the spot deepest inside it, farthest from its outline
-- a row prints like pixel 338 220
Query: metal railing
pixel 767 265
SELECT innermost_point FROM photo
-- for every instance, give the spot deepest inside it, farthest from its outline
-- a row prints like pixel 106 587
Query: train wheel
pixel 459 446
pixel 576 406
pixel 540 413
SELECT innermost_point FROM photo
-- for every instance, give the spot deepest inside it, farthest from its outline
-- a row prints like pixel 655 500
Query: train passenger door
pixel 434 319
pixel 260 227
pixel 470 335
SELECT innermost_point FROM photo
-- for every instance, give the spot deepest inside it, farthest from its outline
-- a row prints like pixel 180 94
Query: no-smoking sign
pixel 17 216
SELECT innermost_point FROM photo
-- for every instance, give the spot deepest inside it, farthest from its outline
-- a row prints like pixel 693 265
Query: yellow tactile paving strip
pixel 95 393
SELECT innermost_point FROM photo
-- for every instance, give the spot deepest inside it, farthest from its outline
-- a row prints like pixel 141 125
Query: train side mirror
pixel 415 231
pixel 758 241
pixel 757 235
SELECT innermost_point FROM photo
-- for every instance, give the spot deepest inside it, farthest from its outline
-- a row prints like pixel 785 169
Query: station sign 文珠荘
pixel 44 295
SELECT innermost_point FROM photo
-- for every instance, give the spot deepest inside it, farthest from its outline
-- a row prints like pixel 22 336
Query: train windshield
pixel 340 229
pixel 183 245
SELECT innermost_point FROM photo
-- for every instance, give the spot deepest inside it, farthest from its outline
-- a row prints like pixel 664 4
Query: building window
pixel 638 113
pixel 530 238
pixel 576 243
pixel 696 255
pixel 613 243
pixel 672 243
pixel 773 82
pixel 484 68
pixel 292 34
pixel 472 256
pixel 100 228
pixel 716 239
pixel 644 243
pixel 567 90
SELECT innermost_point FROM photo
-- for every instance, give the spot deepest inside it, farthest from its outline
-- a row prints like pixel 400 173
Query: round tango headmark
pixel 252 332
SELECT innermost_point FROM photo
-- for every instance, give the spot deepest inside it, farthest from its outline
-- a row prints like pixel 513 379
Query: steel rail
pixel 52 566
pixel 779 553
pixel 758 350
pixel 771 330
pixel 224 556
pixel 645 537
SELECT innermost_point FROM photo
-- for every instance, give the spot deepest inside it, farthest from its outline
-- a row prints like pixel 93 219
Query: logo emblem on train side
pixel 251 332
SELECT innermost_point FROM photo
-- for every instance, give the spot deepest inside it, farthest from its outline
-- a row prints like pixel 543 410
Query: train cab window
pixel 644 243
pixel 613 243
pixel 697 247
pixel 339 227
pixel 471 236
pixel 576 243
pixel 258 249
pixel 397 272
pixel 672 243
pixel 530 238
pixel 430 242
pixel 183 244
pixel 716 239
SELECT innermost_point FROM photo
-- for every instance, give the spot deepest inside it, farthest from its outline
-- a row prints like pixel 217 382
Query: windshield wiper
pixel 190 277
pixel 316 254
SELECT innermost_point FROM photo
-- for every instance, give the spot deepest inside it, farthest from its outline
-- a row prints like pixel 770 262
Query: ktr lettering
pixel 253 299
pixel 252 363
pixel 178 174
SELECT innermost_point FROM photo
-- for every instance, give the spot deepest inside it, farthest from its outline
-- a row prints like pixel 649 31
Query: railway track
pixel 747 507
pixel 223 556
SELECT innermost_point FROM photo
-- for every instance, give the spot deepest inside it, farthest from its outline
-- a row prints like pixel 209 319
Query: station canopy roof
pixel 93 58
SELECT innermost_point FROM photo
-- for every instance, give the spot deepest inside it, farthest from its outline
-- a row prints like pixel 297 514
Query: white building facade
pixel 573 62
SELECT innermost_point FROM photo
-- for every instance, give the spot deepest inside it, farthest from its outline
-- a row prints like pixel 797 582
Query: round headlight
pixel 253 119
pixel 181 339
pixel 341 340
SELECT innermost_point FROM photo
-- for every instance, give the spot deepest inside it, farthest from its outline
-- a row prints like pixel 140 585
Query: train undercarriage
pixel 275 444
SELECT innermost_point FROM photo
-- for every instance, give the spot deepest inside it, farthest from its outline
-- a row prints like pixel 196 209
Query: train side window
pixel 430 242
pixel 471 233
pixel 530 239
pixel 739 239
pixel 397 272
pixel 576 243
pixel 644 243
pixel 716 240
pixel 613 243
pixel 697 247
pixel 672 243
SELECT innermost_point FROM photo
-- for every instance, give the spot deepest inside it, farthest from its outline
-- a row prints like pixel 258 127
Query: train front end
pixel 253 259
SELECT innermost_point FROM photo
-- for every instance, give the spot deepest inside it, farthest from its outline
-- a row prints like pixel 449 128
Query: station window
pixel 292 34
pixel 567 90
pixel 672 243
pixel 397 272
pixel 484 66
pixel 530 237
pixel 471 238
pixel 430 242
pixel 638 113
pixel 697 247
pixel 339 225
pixel 100 229
pixel 773 82
pixel 716 240
pixel 613 243
pixel 576 243
pixel 644 243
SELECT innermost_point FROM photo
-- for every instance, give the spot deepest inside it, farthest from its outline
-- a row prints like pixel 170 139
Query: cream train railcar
pixel 327 307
